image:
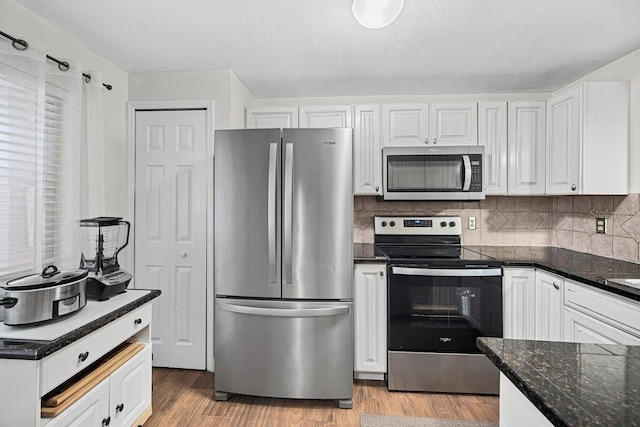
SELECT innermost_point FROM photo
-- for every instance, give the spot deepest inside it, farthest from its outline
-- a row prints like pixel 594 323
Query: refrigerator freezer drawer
pixel 286 349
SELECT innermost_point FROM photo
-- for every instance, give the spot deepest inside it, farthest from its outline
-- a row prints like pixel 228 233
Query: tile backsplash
pixel 563 221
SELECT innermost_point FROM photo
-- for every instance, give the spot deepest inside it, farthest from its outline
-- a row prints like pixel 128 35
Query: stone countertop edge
pixel 366 253
pixel 42 349
pixel 521 385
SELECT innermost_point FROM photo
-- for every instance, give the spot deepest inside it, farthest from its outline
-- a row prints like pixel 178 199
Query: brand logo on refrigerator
pixel 445 339
pixel 329 142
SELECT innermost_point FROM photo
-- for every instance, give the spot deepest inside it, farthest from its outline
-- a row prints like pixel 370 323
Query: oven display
pixel 418 223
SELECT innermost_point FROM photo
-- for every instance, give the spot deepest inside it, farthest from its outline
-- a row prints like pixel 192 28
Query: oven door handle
pixel 447 272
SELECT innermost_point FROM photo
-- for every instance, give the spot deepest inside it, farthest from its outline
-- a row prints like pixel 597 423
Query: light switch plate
pixel 601 225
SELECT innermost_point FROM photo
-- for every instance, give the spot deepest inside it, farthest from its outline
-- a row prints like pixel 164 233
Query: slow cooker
pixel 42 297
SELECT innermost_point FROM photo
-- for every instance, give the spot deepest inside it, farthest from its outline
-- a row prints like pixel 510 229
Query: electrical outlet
pixel 601 225
pixel 472 223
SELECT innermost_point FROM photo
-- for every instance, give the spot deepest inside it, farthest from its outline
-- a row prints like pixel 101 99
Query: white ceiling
pixel 290 48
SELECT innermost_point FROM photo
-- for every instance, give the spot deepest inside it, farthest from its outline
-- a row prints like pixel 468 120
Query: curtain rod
pixel 20 44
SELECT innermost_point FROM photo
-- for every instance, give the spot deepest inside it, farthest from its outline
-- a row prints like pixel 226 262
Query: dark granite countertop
pixel 366 253
pixel 572 384
pixel 34 349
pixel 585 268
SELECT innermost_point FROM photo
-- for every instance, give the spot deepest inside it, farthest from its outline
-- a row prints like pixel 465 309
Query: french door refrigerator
pixel 284 263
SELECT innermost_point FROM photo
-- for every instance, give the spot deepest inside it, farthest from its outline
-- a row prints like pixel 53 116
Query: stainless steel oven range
pixel 439 301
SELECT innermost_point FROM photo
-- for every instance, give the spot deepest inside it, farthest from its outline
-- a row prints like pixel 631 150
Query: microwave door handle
pixel 467 173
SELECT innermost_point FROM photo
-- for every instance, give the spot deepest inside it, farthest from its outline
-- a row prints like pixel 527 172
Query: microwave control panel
pixel 476 173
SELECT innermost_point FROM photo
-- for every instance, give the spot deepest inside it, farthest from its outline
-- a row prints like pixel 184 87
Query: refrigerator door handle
pixel 271 216
pixel 284 312
pixel 288 213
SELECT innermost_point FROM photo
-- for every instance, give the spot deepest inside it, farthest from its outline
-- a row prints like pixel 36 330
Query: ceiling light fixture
pixel 376 13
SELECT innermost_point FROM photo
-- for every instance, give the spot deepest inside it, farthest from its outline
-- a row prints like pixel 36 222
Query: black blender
pixel 101 239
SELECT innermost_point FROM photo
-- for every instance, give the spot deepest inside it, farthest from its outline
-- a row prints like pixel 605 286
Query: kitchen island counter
pixel 572 384
pixel 39 341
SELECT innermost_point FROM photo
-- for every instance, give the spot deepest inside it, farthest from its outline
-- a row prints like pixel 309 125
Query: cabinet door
pixel 271 117
pixel 518 300
pixel 563 143
pixel 130 393
pixel 90 410
pixel 327 116
pixel 579 327
pixel 454 123
pixel 492 134
pixel 367 166
pixel 405 124
pixel 370 309
pixel 526 148
pixel 549 305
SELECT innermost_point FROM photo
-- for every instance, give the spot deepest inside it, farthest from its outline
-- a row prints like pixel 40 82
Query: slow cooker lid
pixel 49 278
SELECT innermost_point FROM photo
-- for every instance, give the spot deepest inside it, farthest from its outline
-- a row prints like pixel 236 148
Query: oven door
pixel 443 310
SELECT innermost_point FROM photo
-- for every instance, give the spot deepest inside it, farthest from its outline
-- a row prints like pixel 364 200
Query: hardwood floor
pixel 185 398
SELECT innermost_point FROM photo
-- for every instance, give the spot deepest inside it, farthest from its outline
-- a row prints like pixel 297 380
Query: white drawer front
pixel 615 310
pixel 63 364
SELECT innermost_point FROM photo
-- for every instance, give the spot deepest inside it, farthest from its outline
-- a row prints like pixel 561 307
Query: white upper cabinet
pixel 492 134
pixel 271 117
pixel 588 140
pixel 405 124
pixel 454 123
pixel 526 175
pixel 325 116
pixel 367 166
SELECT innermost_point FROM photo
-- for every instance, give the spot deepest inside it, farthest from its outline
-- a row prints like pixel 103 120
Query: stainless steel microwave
pixel 433 173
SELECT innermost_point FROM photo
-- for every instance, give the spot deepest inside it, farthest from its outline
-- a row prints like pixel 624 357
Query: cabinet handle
pixel 137 322
pixel 83 356
pixel 435 140
pixel 106 421
pixel 381 273
pixel 120 408
pixel 573 187
pixel 426 140
pixel 555 285
pixel 377 188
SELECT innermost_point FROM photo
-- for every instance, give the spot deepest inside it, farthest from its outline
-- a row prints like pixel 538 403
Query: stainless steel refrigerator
pixel 284 263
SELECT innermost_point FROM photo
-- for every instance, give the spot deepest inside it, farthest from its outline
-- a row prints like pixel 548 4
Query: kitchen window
pixel 34 180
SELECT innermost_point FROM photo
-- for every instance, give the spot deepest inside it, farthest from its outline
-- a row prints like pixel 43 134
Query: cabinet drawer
pixel 72 359
pixel 609 308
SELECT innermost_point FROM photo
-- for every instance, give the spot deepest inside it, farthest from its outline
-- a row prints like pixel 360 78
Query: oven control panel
pixel 418 225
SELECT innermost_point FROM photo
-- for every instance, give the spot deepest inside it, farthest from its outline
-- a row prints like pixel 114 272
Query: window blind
pixel 32 178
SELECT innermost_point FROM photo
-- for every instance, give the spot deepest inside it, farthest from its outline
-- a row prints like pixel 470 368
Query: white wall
pixel 222 86
pixel 625 68
pixel 22 23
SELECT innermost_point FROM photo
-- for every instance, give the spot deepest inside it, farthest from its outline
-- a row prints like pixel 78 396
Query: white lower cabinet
pixel 548 307
pixel 119 400
pixel 370 308
pixel 580 327
pixel 518 296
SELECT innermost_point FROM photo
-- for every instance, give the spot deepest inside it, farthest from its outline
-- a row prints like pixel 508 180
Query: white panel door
pixel 370 311
pixel 518 301
pixel 405 124
pixel 271 117
pixel 130 393
pixel 454 123
pixel 325 116
pixel 492 134
pixel 549 307
pixel 367 162
pixel 170 231
pixel 526 148
pixel 563 143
